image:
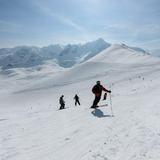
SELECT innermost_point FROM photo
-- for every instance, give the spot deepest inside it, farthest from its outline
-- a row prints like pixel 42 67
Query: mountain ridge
pixel 65 55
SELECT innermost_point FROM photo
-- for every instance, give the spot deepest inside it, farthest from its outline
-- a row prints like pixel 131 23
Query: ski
pixel 102 105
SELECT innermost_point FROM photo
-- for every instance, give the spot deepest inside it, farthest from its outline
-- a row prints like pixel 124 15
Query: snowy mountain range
pixel 65 56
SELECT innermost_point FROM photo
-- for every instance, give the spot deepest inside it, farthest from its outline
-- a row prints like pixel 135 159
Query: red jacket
pixel 97 90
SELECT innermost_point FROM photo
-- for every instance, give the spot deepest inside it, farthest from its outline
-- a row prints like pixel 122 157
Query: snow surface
pixel 32 127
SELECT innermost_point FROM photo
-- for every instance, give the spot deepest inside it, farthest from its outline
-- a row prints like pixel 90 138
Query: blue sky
pixel 44 22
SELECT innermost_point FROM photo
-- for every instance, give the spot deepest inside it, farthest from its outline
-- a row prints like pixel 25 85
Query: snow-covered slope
pixel 113 58
pixel 123 54
pixel 32 127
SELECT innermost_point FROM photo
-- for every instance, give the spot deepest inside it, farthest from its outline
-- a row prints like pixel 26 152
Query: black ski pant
pixel 62 106
pixel 96 100
pixel 77 101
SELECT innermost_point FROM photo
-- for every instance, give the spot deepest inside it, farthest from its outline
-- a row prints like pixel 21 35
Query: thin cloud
pixel 10 27
pixel 63 19
pixel 150 42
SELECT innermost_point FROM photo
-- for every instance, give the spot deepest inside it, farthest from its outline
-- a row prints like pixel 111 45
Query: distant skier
pixel 97 90
pixel 61 102
pixel 76 98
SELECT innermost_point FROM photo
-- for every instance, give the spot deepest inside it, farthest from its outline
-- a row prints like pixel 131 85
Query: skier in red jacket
pixel 97 90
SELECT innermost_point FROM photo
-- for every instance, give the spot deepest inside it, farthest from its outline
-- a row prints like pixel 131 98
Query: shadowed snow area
pixel 32 127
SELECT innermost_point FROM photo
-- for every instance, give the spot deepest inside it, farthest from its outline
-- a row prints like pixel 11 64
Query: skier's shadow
pixel 98 113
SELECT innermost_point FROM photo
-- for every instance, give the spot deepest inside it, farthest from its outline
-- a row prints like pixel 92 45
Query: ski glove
pixel 109 91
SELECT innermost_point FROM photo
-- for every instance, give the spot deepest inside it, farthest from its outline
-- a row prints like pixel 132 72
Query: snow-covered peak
pixel 72 54
pixel 119 53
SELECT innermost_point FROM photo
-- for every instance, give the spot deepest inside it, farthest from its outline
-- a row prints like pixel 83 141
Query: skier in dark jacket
pixel 97 90
pixel 61 102
pixel 76 98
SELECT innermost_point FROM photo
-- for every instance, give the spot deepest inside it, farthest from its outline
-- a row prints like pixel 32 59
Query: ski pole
pixel 111 104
